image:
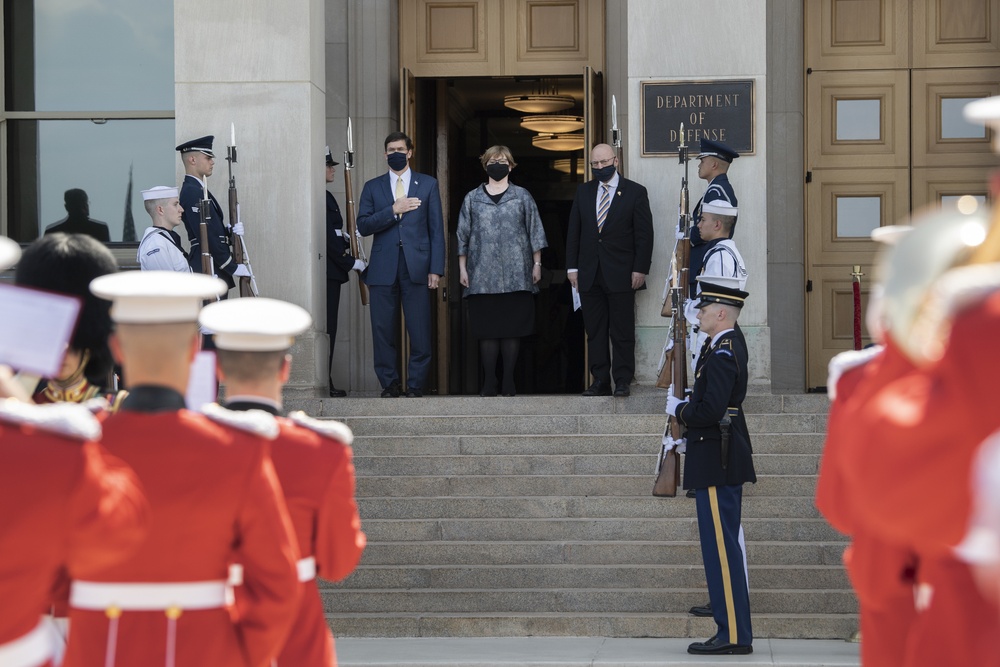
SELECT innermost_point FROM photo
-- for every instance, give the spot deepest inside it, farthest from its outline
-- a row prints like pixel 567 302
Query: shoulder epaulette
pixel 956 291
pixel 256 422
pixel 328 428
pixel 844 362
pixel 66 419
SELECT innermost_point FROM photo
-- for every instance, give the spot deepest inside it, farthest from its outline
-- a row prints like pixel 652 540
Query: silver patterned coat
pixel 498 240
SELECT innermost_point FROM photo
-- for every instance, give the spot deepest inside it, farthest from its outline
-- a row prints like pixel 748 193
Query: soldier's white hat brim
pixel 720 207
pixel 156 297
pixel 986 110
pixel 10 252
pixel 890 234
pixel 724 281
pixel 160 192
pixel 255 325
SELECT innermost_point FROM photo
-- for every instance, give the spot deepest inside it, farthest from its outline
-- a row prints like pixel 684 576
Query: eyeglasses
pixel 500 161
pixel 597 164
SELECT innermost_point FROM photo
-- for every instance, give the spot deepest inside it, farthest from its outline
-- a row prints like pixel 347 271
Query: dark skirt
pixel 508 315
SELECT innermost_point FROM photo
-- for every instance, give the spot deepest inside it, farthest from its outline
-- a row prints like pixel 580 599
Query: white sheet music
pixel 36 329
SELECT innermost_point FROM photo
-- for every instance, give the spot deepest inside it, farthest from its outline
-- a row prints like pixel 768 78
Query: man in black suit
pixel 78 220
pixel 718 462
pixel 609 247
pixel 199 162
pixel 339 264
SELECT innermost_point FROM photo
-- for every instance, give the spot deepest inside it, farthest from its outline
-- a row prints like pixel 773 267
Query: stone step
pixel 573 507
pixel 548 485
pixel 575 576
pixel 561 424
pixel 644 400
pixel 598 624
pixel 557 464
pixel 590 553
pixel 472 445
pixel 596 600
pixel 602 530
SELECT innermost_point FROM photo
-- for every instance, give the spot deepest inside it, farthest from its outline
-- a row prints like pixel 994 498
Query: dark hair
pixel 66 263
pixel 397 136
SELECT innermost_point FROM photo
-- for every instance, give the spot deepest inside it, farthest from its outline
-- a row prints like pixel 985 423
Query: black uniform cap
pixel 201 144
pixel 329 158
pixel 727 296
pixel 717 149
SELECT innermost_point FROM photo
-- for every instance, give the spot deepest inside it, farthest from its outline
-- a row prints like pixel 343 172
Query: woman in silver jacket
pixel 500 241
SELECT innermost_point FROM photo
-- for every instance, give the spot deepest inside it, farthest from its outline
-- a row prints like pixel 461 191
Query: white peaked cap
pixel 156 297
pixel 10 252
pixel 720 207
pixel 160 192
pixel 890 234
pixel 986 110
pixel 255 325
pixel 722 281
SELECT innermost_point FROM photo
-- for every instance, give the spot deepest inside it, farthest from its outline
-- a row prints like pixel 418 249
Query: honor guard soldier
pixel 160 248
pixel 67 507
pixel 199 162
pixel 714 161
pixel 214 497
pixel 718 463
pixel 312 457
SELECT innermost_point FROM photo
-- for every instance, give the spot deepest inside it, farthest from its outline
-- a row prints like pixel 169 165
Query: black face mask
pixel 397 161
pixel 497 171
pixel 604 174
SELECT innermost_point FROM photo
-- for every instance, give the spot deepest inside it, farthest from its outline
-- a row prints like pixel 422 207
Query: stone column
pixel 261 66
pixel 701 40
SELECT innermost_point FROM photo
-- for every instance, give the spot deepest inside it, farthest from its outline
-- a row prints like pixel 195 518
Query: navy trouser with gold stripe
pixel 719 509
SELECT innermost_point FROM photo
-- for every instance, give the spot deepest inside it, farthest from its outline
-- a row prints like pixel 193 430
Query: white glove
pixel 669 443
pixel 691 311
pixel 359 265
pixel 678 234
pixel 672 403
pixel 242 271
pixel 238 229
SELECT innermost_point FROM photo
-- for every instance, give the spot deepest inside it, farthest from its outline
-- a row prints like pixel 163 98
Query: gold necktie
pixel 399 188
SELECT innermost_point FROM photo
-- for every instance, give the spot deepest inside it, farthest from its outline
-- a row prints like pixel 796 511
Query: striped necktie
pixel 602 209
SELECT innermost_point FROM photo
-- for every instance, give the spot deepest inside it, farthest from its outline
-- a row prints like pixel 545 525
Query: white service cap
pixel 156 297
pixel 722 281
pixel 160 192
pixel 255 325
pixel 720 207
pixel 10 252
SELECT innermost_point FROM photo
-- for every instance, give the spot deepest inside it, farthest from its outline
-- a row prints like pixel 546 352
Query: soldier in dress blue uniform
pixel 719 462
pixel 339 264
pixel 713 165
pixel 199 161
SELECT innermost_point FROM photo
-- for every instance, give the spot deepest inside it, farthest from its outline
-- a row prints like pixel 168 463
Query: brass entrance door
pixel 886 81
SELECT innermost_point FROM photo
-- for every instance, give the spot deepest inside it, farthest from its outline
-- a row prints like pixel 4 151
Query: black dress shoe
pixel 622 390
pixel 599 388
pixel 703 611
pixel 691 494
pixel 716 646
pixel 414 393
pixel 392 391
pixel 337 393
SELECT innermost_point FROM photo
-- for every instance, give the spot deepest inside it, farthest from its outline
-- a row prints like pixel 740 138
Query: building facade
pixel 854 120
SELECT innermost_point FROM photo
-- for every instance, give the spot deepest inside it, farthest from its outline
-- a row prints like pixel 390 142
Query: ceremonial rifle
pixel 357 248
pixel 674 360
pixel 205 212
pixel 247 284
pixel 616 134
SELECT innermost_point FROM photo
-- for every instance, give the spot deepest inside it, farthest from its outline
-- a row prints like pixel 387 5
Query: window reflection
pixel 953 123
pixel 859 120
pixel 68 55
pixel 48 158
pixel 858 216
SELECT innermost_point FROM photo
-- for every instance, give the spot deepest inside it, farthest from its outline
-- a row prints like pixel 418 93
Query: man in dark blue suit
pixel 402 209
pixel 609 248
pixel 199 162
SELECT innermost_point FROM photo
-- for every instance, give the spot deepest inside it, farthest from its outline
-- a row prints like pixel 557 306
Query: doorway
pixel 455 120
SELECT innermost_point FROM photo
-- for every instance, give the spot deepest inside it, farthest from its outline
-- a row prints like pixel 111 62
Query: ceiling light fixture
pixel 538 103
pixel 552 123
pixel 564 165
pixel 558 142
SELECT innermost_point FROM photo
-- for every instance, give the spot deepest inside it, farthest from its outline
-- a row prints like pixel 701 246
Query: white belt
pixel 306 568
pixel 28 650
pixel 148 597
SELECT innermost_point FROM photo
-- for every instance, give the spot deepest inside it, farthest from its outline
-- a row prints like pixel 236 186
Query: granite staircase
pixel 532 515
